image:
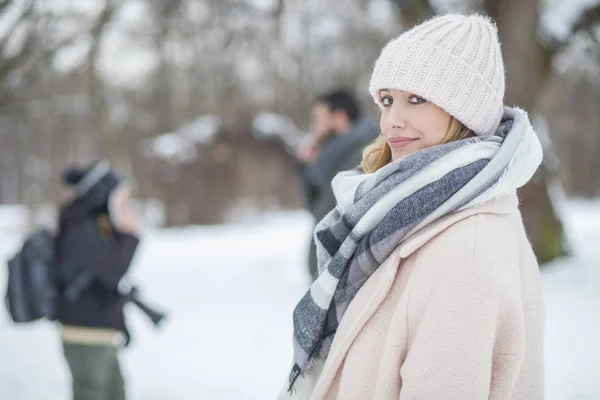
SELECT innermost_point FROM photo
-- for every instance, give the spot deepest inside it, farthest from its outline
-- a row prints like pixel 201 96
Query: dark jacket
pixel 338 153
pixel 85 245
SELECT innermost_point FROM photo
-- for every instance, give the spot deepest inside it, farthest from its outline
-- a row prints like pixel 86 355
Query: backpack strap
pixel 78 285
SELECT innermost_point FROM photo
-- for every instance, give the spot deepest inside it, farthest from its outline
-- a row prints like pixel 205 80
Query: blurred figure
pixel 339 135
pixel 96 242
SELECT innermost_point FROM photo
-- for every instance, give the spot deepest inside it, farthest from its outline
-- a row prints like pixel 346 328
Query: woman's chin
pixel 401 153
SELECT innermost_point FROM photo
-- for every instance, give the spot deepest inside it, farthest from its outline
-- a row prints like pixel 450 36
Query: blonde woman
pixel 428 287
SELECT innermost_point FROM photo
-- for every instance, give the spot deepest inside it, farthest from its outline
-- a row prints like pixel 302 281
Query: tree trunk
pixel 412 12
pixel 527 65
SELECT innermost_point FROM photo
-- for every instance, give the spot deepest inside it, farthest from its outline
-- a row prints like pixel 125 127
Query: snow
pixel 573 301
pixel 12 219
pixel 230 291
pixel 269 124
pixel 170 146
pixel 559 16
pixel 136 63
pixel 11 16
pixel 202 130
pixel 72 55
pixel 180 146
pixel 380 14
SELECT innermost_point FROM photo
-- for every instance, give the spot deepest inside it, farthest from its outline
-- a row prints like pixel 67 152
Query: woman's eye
pixel 387 101
pixel 414 99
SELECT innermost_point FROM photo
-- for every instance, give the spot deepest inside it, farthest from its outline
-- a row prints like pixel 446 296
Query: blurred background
pixel 202 104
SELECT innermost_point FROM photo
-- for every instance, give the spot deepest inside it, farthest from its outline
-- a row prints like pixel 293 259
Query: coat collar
pixel 498 205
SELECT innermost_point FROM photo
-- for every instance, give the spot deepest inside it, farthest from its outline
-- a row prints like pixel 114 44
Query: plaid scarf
pixel 378 211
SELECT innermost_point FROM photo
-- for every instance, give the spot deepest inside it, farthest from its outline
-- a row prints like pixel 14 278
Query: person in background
pixel 338 136
pixel 97 239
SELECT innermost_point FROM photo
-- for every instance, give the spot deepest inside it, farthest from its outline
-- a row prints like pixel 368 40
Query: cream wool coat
pixel 455 312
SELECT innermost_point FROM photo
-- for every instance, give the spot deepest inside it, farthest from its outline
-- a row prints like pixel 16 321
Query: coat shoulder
pixel 482 247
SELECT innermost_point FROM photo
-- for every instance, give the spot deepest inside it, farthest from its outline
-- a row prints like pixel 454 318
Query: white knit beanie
pixel 455 62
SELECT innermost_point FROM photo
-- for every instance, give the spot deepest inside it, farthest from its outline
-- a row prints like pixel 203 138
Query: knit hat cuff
pixel 95 175
pixel 458 88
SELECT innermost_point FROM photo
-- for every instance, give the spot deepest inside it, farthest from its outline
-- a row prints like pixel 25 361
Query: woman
pixel 428 287
pixel 95 245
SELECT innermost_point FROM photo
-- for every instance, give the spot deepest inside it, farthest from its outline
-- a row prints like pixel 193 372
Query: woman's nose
pixel 395 118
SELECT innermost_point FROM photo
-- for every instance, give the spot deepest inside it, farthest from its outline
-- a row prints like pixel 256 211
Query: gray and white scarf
pixel 378 211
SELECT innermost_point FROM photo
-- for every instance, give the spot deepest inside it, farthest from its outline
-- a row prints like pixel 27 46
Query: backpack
pixel 33 278
pixel 31 292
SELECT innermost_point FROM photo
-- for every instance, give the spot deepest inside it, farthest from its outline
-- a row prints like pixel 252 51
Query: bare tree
pixel 235 59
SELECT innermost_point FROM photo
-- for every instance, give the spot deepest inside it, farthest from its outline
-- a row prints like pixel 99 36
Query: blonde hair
pixel 378 154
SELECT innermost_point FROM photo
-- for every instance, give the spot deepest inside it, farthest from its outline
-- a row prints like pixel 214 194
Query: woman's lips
pixel 400 141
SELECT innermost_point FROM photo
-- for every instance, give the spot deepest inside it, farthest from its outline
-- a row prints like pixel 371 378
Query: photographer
pixel 97 239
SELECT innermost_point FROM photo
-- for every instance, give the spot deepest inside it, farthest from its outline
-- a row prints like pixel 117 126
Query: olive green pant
pixel 95 371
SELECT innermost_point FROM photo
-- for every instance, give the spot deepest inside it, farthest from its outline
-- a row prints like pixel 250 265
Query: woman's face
pixel 410 123
pixel 119 201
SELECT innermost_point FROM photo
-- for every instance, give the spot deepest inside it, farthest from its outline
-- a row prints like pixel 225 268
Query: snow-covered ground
pixel 230 291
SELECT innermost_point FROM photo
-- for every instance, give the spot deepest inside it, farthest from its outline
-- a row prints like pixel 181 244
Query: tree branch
pixel 24 14
pixel 278 10
pixel 98 102
pixel 4 4
pixel 587 20
pixel 9 64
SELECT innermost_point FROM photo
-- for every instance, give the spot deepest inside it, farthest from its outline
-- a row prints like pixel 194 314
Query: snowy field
pixel 230 291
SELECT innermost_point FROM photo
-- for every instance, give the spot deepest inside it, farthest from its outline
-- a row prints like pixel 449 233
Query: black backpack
pixel 33 280
pixel 31 292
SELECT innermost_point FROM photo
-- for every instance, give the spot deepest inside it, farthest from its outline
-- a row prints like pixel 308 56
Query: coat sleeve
pixel 455 303
pixel 326 201
pixel 108 258
pixel 310 191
